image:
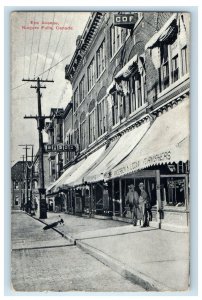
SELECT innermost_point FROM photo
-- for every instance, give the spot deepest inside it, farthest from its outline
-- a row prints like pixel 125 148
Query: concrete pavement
pixel 156 259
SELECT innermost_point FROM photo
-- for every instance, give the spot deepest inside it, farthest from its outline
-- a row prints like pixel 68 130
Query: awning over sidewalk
pixel 76 178
pixel 64 176
pixel 166 141
pixel 122 148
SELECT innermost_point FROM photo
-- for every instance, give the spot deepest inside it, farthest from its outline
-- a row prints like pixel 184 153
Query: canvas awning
pixel 166 141
pixel 160 36
pixel 76 178
pixel 126 71
pixel 121 149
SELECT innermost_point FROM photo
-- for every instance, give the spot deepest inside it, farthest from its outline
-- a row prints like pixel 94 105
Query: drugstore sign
pixel 60 148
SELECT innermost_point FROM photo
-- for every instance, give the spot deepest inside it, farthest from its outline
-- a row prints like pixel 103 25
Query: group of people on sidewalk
pixel 140 205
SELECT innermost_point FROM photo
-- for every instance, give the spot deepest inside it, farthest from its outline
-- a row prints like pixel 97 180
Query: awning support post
pixel 91 200
pixel 158 196
pixel 113 200
pixel 120 197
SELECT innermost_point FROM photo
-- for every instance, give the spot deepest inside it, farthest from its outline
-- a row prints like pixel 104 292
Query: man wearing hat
pixel 132 199
pixel 143 200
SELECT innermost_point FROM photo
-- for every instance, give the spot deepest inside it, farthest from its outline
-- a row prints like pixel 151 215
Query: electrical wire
pixel 44 71
pixel 31 45
pixel 24 46
pixel 38 47
pixel 57 46
pixel 48 44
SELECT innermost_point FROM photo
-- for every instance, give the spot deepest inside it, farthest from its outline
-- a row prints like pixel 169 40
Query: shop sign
pixel 60 148
pixel 126 20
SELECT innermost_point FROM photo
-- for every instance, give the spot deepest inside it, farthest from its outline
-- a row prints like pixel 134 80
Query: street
pixel 45 261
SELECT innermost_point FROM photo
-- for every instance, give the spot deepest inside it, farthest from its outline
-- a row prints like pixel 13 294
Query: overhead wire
pixel 61 50
pixel 57 46
pixel 38 47
pixel 44 71
pixel 24 46
pixel 48 45
pixel 31 46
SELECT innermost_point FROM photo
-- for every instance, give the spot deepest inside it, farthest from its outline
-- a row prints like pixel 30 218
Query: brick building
pixel 129 114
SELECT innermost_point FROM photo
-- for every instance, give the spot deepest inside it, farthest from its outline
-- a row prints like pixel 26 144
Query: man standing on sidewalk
pixel 144 201
pixel 132 199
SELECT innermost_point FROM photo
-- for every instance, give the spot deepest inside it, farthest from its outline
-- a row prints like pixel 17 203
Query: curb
pixel 132 275
pixel 67 237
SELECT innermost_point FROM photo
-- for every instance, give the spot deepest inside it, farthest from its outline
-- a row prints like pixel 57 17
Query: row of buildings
pixel 127 121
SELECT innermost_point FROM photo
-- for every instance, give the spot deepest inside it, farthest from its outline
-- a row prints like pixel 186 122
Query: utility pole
pixel 40 126
pixel 27 200
pixel 23 178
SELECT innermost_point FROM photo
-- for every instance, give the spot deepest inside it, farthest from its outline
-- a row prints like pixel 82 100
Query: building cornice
pixel 83 44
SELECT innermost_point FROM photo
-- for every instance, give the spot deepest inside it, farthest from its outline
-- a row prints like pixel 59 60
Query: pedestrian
pixel 144 204
pixel 132 199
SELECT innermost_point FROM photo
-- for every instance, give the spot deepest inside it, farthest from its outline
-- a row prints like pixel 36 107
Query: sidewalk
pixel 156 259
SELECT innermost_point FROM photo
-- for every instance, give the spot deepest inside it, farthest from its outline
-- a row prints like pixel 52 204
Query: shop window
pixel 102 112
pixel 101 59
pixel 173 191
pixel 91 74
pixel 16 200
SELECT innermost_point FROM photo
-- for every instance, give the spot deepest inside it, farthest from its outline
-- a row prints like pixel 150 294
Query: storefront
pixel 161 162
pixel 101 191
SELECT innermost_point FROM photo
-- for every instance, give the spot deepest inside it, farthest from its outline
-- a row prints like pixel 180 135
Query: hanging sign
pixel 126 20
pixel 60 147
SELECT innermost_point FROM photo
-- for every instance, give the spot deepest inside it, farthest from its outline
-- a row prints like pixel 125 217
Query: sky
pixel 35 48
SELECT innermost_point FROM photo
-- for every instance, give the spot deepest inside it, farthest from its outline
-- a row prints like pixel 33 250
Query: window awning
pixel 76 178
pixel 166 141
pixel 163 33
pixel 112 87
pixel 121 149
pixel 126 71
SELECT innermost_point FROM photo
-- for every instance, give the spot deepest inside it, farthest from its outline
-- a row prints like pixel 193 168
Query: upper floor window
pixel 137 91
pixel 102 117
pixel 117 38
pixel 91 74
pixel 92 121
pixel 16 185
pixel 83 131
pixel 101 59
pixel 76 99
pixel 76 133
pixel 174 63
pixel 81 90
pixel 184 60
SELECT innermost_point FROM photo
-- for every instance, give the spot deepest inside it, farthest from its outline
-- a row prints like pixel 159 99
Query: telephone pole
pixel 27 201
pixel 40 126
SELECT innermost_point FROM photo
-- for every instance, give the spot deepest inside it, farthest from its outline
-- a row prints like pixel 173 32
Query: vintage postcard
pixel 100 164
